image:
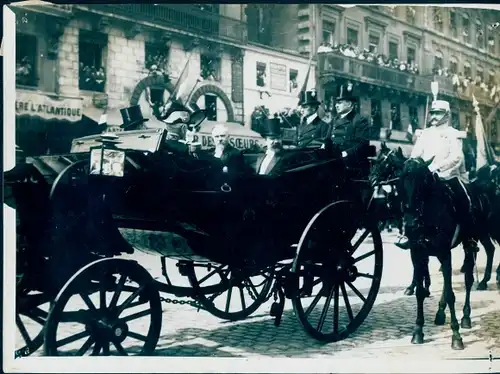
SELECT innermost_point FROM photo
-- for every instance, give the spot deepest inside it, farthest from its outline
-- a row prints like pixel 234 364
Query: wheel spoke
pixel 137 336
pixel 22 330
pixel 39 317
pixel 366 275
pixel 71 339
pixel 346 302
pixel 228 300
pixel 85 347
pixel 118 291
pixel 129 299
pixel 313 304
pixel 89 302
pixel 254 289
pixel 324 312
pixel 242 296
pixel 136 315
pixel 215 271
pixel 102 299
pixel 362 257
pixel 356 291
pixel 359 241
pixel 336 309
pixel 119 348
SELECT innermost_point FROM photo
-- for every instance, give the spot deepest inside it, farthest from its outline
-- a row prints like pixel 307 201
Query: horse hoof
pixel 466 323
pixel 440 319
pixel 409 291
pixel 457 344
pixel 427 293
pixel 418 338
pixel 482 286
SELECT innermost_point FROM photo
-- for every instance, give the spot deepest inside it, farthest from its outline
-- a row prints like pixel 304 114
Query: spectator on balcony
pixel 325 47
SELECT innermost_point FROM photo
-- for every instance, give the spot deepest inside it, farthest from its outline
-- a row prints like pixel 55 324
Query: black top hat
pixel 309 98
pixel 345 92
pixel 132 117
pixel 196 115
pixel 272 128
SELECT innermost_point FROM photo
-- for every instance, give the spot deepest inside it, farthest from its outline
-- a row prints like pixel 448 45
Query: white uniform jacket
pixel 444 143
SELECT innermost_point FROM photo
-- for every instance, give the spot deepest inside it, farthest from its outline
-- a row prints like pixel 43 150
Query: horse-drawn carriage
pixel 307 235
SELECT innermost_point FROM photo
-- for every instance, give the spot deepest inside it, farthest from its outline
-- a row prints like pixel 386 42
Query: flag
pixel 306 81
pixel 183 85
pixel 484 153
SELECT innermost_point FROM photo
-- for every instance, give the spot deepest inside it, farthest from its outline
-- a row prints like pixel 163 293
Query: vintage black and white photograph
pixel 256 181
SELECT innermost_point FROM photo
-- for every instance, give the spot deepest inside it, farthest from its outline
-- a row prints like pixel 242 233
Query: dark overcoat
pixel 312 134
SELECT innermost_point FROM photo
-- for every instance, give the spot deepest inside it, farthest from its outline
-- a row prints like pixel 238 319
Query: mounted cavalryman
pixel 312 127
pixel 443 143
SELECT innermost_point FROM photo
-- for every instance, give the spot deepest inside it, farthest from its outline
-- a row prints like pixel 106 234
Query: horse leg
pixel 498 276
pixel 469 262
pixel 456 339
pixel 410 290
pixel 427 278
pixel 418 264
pixel 440 314
pixel 490 253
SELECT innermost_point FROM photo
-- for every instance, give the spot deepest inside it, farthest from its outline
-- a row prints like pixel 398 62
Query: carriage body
pixel 185 210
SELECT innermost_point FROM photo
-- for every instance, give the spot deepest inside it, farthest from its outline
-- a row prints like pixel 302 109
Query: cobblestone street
pixel 386 331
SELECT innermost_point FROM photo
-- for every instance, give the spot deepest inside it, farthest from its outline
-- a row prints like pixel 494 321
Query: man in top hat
pixel 132 118
pixel 349 132
pixel 312 128
pixel 230 157
pixel 444 143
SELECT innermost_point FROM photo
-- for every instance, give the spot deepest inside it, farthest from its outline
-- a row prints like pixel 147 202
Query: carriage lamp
pixel 107 160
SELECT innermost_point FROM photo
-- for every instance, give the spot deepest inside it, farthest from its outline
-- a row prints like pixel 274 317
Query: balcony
pixel 55 10
pixel 446 87
pixel 335 64
pixel 182 17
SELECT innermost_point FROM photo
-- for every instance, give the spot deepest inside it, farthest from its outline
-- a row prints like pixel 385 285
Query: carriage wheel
pixel 31 314
pixel 103 309
pixel 240 294
pixel 336 272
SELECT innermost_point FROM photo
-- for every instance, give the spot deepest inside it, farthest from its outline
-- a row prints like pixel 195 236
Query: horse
pixel 434 230
pixel 389 164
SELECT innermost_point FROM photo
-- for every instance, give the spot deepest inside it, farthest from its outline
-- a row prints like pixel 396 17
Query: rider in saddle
pixel 441 141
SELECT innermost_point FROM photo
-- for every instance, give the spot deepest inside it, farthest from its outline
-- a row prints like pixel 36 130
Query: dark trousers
pixel 462 204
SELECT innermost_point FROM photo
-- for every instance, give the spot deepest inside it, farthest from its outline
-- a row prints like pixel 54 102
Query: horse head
pixel 388 164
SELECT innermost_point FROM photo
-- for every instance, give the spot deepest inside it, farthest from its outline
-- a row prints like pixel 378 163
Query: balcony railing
pixel 446 86
pixel 334 63
pixel 183 17
pixel 57 10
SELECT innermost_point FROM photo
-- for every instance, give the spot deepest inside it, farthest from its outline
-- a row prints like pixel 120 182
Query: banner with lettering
pixel 37 104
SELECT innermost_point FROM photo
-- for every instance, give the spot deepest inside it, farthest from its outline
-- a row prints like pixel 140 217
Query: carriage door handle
pixel 144 136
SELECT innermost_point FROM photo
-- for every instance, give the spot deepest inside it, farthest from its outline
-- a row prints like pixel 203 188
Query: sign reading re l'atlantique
pixel 37 104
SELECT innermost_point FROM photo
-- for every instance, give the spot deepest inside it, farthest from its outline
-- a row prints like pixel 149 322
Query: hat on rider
pixel 440 106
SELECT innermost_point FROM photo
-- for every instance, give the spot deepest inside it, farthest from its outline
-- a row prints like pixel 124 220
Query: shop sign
pixel 240 142
pixel 38 104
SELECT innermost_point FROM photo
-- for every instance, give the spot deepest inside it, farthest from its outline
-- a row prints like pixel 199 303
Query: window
pixel 396 117
pixel 352 37
pixel 156 57
pixel 373 43
pixel 376 114
pixel 393 50
pixel 467 70
pixel 411 55
pixel 26 60
pixel 92 58
pixel 491 44
pixel 211 107
pixel 491 78
pixel 413 111
pixel 438 60
pixel 453 23
pixel 329 32
pixel 292 77
pixel 210 66
pixel 437 18
pixel 479 75
pixel 453 66
pixel 261 74
pixel 466 29
pixel 479 34
pixel 411 12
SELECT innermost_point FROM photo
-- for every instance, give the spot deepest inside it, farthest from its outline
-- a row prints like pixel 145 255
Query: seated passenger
pixel 230 157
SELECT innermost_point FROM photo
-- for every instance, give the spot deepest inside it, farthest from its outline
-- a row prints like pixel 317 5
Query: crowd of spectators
pixel 369 56
pixel 461 82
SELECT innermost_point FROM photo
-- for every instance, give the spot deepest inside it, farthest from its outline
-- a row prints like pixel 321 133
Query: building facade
pixel 457 47
pixel 106 57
